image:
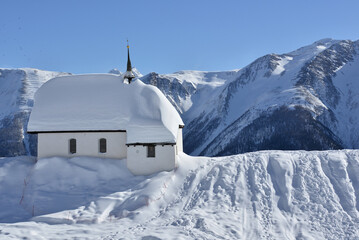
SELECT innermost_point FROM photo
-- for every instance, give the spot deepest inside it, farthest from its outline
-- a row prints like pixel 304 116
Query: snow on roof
pixel 102 102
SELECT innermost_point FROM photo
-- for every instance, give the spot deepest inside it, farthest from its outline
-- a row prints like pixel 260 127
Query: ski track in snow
pixel 259 195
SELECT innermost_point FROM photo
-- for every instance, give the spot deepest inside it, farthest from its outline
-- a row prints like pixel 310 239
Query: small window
pixel 151 151
pixel 103 145
pixel 72 145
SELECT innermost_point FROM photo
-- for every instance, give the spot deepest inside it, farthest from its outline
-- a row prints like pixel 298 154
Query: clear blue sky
pixel 85 36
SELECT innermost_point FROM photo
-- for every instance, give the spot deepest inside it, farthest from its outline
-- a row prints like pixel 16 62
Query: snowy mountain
pixel 118 72
pixel 17 89
pixel 305 99
pixel 261 195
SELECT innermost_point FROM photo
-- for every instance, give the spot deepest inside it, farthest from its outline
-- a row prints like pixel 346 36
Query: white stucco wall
pixel 87 144
pixel 179 141
pixel 139 164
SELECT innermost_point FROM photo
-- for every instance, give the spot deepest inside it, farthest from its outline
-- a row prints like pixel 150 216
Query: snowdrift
pixel 78 103
pixel 260 195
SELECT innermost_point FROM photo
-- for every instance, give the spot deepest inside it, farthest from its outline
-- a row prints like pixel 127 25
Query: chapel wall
pixel 139 164
pixel 179 141
pixel 87 144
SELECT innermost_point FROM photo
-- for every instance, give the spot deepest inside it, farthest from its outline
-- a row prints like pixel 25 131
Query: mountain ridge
pixel 298 78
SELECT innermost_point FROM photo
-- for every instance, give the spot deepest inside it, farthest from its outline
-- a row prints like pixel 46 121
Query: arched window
pixel 103 145
pixel 72 145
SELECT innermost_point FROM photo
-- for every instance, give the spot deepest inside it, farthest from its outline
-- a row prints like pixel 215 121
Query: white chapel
pixel 107 116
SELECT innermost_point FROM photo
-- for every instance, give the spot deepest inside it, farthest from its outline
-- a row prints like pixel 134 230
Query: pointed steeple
pixel 129 74
pixel 129 66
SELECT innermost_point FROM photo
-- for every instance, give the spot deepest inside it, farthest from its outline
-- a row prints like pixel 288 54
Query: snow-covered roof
pixel 102 102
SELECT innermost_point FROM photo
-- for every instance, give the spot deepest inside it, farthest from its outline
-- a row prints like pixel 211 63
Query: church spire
pixel 129 74
pixel 129 67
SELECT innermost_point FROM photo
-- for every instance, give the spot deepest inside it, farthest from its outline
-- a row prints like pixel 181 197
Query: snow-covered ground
pixel 259 195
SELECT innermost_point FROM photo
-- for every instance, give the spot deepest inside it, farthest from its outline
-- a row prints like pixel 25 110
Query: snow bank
pixel 14 175
pixel 104 102
pixel 260 195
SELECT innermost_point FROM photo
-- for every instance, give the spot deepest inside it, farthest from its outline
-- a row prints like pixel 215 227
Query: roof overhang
pixel 75 131
pixel 149 144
